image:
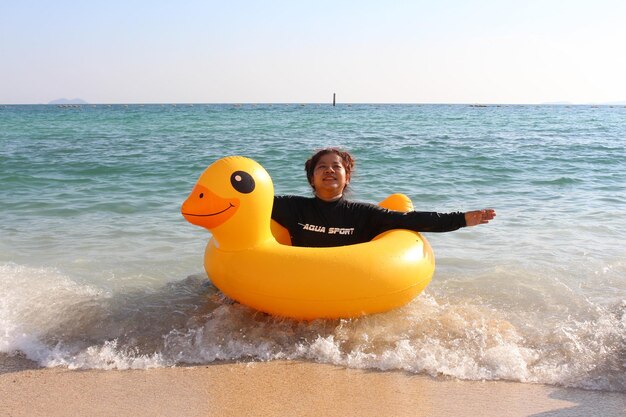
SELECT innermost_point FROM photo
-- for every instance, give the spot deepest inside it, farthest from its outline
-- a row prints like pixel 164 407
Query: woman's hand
pixel 473 218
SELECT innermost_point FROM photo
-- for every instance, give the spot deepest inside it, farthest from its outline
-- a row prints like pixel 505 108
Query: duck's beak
pixel 207 209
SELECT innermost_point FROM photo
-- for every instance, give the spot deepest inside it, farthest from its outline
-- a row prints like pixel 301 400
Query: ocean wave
pixel 54 321
pixel 557 181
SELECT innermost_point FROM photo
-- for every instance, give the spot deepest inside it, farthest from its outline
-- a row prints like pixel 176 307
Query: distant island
pixel 68 101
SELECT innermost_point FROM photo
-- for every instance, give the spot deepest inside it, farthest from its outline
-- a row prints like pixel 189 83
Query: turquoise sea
pixel 98 269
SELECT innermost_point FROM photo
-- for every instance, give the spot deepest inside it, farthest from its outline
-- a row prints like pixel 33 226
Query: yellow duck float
pixel 249 257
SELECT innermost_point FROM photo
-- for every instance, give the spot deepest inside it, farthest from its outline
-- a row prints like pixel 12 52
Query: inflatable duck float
pixel 249 257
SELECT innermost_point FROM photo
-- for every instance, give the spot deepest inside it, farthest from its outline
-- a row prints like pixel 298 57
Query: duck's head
pixel 233 199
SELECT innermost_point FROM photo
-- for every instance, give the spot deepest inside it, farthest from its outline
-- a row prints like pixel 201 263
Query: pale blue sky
pixel 302 51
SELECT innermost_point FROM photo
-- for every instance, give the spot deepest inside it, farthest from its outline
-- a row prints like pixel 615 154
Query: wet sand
pixel 283 389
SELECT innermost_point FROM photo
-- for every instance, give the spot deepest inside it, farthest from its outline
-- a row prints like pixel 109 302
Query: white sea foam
pixel 32 300
pixel 55 321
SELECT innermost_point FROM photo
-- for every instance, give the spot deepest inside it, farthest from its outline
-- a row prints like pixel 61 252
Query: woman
pixel 328 219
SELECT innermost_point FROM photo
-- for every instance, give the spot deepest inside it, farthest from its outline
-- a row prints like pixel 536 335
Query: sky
pixel 301 51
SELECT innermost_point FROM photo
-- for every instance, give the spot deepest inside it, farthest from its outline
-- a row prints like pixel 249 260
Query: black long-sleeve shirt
pixel 313 222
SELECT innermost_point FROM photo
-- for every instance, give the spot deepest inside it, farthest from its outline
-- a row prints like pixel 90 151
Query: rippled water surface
pixel 99 270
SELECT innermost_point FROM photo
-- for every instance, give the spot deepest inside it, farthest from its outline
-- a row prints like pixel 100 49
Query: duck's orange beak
pixel 207 209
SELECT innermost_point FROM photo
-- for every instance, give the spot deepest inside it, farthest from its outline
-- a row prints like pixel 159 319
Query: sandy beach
pixel 283 389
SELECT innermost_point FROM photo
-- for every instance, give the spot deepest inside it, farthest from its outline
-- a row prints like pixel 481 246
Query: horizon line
pixel 235 103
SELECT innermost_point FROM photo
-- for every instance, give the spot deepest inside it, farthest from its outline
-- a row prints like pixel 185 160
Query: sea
pixel 99 270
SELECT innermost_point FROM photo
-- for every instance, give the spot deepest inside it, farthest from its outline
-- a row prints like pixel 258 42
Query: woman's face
pixel 330 177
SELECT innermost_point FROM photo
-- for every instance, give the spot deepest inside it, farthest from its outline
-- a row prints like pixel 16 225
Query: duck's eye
pixel 242 182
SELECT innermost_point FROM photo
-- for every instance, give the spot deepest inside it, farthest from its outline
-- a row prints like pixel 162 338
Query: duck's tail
pixel 397 202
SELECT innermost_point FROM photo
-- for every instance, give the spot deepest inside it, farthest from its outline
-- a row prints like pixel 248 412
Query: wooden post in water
pixel 333 99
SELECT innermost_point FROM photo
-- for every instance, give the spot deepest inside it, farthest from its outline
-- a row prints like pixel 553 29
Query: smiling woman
pixel 328 172
pixel 314 221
